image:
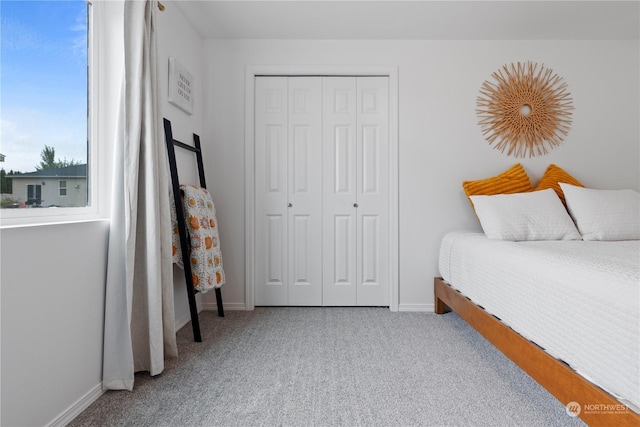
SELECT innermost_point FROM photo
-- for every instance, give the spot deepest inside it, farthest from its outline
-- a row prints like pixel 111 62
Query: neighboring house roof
pixel 76 171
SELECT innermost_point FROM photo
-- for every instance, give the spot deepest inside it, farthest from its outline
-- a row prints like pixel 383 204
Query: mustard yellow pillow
pixel 513 180
pixel 552 178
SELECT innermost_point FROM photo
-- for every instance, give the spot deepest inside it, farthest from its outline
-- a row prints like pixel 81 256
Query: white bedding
pixel 579 300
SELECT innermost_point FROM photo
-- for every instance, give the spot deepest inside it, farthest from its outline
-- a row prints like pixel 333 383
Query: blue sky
pixel 43 80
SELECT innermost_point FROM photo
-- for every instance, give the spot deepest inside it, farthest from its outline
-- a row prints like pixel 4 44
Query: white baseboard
pixel 417 307
pixel 80 405
pixel 233 306
pixel 183 321
pixel 210 306
pixel 239 306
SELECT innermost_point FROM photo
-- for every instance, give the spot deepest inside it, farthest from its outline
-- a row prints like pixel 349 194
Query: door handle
pixel 355 205
pixel 289 205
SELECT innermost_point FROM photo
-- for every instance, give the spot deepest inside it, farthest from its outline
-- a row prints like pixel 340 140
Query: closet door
pixel 321 191
pixel 372 191
pixel 271 135
pixel 355 203
pixel 340 191
pixel 288 196
pixel 305 191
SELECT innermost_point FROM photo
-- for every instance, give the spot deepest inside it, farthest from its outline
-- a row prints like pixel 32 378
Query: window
pixel 46 73
pixel 34 194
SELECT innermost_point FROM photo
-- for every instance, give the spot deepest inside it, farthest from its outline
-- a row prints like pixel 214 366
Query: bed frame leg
pixel 440 306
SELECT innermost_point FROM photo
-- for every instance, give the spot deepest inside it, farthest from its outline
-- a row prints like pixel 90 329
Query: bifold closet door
pixel 321 191
pixel 355 193
pixel 288 191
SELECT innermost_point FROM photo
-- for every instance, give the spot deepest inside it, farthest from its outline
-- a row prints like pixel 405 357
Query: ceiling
pixel 413 20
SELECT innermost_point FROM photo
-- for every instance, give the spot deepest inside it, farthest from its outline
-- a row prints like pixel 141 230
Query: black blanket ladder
pixel 182 228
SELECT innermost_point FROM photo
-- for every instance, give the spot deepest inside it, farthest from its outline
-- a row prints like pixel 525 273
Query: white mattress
pixel 578 300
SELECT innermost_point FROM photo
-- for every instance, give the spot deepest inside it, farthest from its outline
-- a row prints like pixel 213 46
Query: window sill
pixel 21 222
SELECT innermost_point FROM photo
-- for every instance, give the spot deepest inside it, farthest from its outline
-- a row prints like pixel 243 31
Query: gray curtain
pixel 139 314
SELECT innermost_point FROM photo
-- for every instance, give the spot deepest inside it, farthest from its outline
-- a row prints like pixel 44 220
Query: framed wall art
pixel 180 86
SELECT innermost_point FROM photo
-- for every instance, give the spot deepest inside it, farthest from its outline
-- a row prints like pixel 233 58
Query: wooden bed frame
pixel 557 377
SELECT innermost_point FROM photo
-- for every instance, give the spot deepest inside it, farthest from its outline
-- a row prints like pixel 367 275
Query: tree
pixel 48 160
pixel 48 156
pixel 6 186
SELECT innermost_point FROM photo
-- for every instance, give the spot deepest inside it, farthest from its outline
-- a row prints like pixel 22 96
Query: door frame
pixel 253 71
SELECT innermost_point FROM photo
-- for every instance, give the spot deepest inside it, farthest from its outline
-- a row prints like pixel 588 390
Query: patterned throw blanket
pixel 202 231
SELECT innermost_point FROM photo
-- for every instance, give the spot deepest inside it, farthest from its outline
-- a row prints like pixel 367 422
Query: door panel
pixel 275 136
pixel 271 191
pixel 301 141
pixel 300 250
pixel 343 250
pixel 343 168
pixel 370 159
pixel 373 191
pixel 370 247
pixel 301 270
pixel 305 191
pixel 339 284
pixel 339 212
pixel 275 250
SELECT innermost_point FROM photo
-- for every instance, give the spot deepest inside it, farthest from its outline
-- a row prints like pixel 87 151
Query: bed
pixel 565 311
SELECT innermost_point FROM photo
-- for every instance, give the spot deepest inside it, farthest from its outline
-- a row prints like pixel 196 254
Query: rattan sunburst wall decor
pixel 526 110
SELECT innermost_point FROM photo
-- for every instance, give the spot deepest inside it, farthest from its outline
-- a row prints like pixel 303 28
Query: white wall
pixel 176 38
pixel 440 143
pixel 52 318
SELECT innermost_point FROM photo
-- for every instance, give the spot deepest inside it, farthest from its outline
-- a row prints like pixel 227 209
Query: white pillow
pixel 604 214
pixel 537 215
